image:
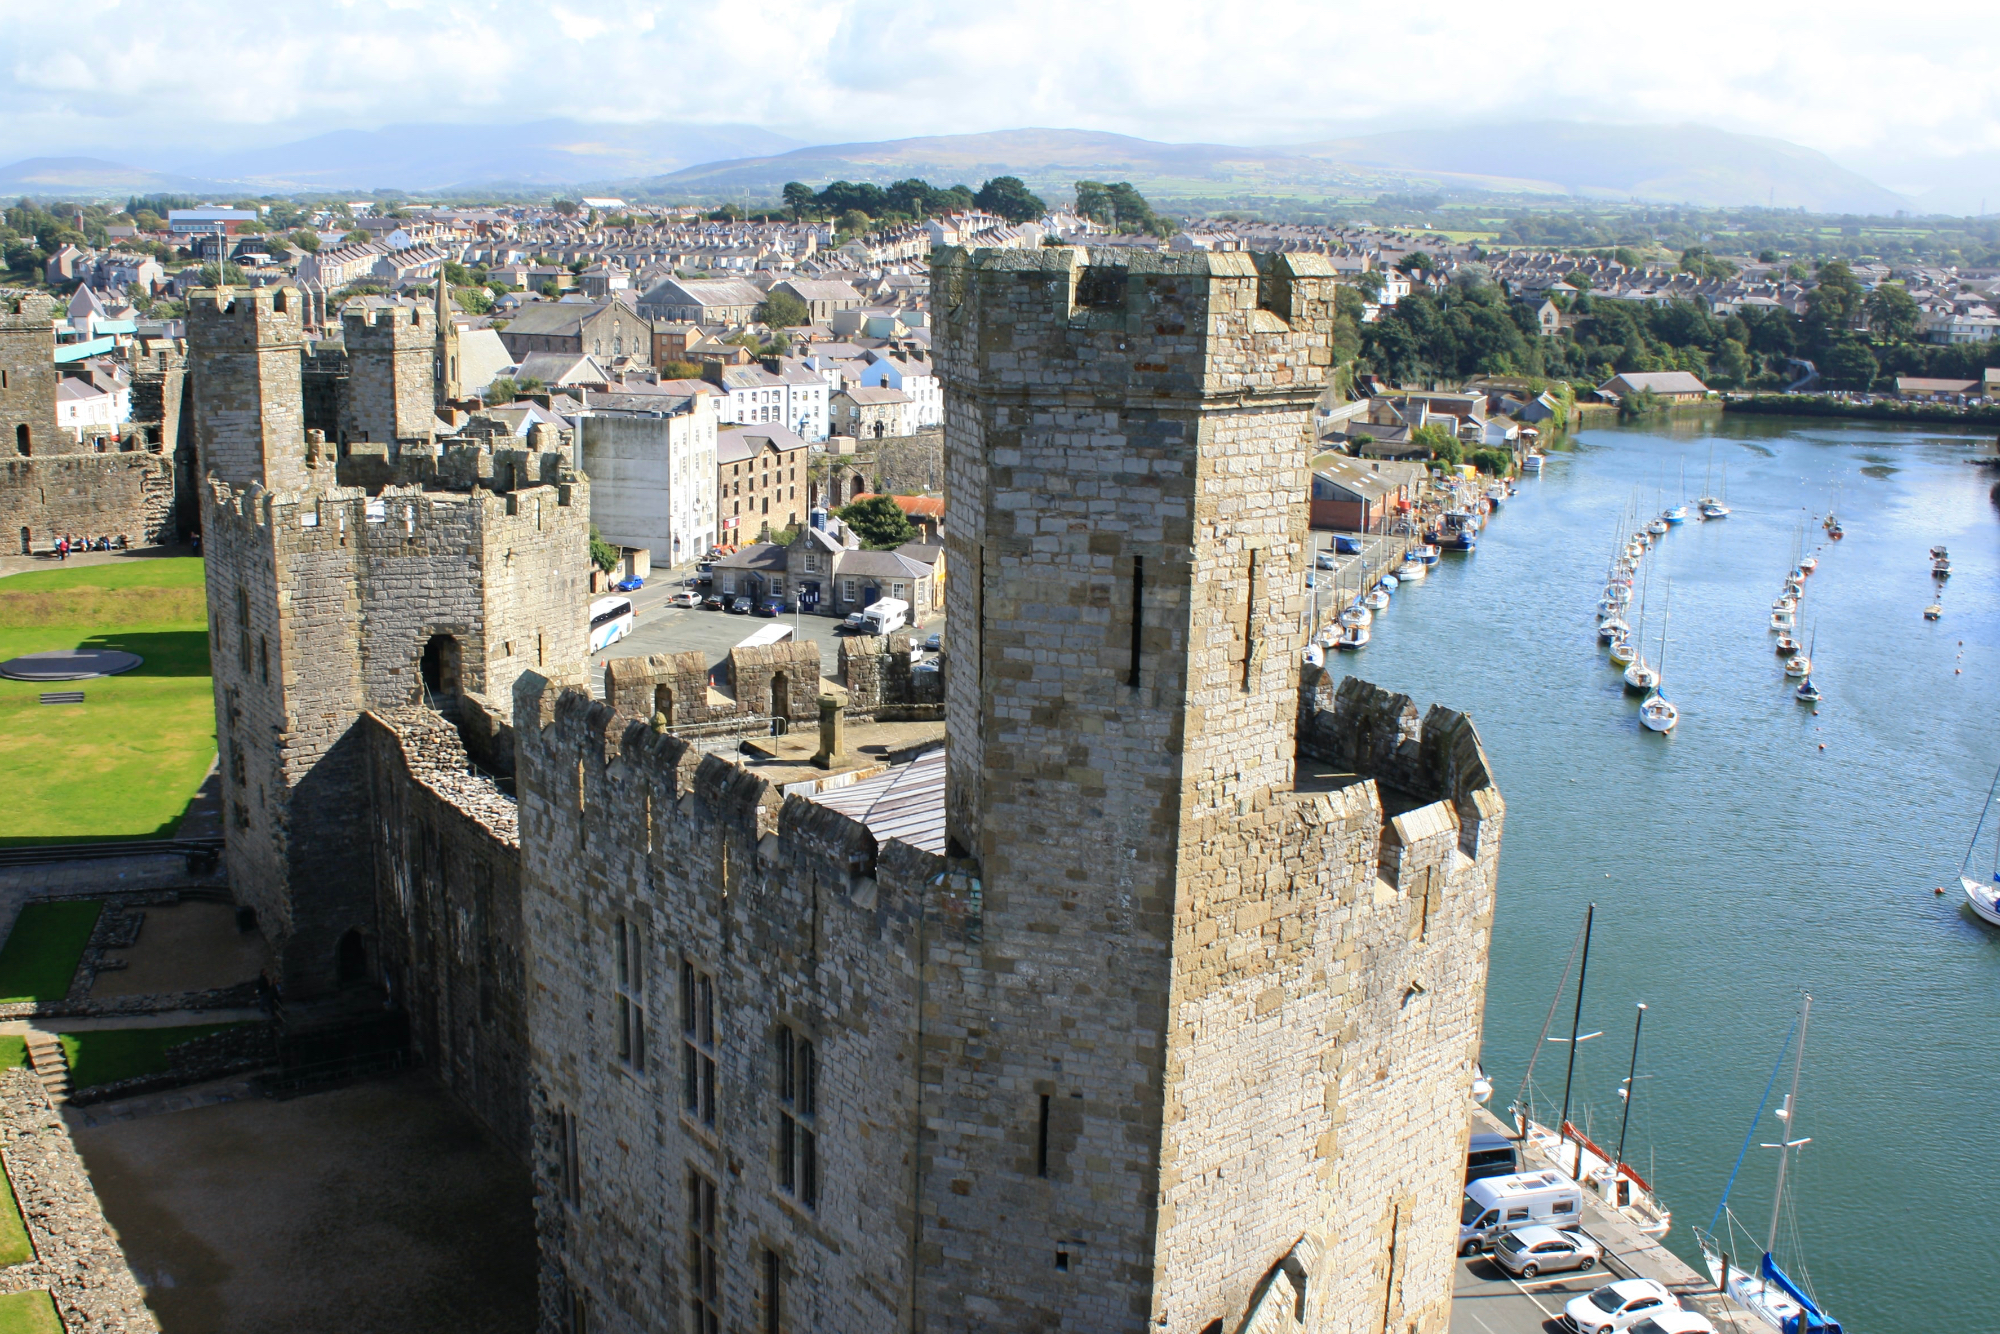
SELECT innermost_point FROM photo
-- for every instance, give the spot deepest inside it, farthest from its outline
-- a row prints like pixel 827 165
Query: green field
pixel 107 1055
pixel 29 1313
pixel 125 762
pixel 15 1248
pixel 39 959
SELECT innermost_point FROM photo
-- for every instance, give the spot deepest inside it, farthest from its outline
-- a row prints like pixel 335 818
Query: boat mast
pixel 1547 1019
pixel 1973 846
pixel 1790 1115
pixel 1575 1023
pixel 1631 1088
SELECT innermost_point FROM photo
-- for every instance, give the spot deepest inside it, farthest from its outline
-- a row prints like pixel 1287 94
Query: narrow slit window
pixel 1138 617
pixel 1042 1139
pixel 704 1256
pixel 1250 620
pixel 628 995
pixel 798 1117
pixel 697 1044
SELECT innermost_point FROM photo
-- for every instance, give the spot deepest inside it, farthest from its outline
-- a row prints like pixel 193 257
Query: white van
pixel 1497 1205
pixel 886 616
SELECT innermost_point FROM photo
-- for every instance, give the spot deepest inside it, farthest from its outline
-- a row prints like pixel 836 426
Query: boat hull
pixel 1985 899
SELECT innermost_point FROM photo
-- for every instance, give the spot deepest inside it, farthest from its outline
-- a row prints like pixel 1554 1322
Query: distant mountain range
pixel 1690 164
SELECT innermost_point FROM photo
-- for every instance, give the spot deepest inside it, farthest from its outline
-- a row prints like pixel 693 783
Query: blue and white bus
pixel 610 621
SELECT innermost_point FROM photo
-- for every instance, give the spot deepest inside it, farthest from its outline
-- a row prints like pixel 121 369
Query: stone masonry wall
pixel 448 913
pixel 28 377
pixel 95 495
pixel 798 920
pixel 390 390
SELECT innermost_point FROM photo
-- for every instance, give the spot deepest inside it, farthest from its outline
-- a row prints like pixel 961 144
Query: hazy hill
pixel 1691 164
pixel 90 178
pixel 433 157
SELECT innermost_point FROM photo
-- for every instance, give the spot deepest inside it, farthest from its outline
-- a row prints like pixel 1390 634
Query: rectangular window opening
pixel 704 1256
pixel 1138 617
pixel 697 1044
pixel 1042 1140
pixel 798 1116
pixel 774 1292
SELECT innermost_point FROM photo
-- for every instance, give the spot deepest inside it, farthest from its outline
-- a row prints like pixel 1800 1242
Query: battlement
pixel 1147 326
pixel 240 319
pixel 398 327
pixel 26 310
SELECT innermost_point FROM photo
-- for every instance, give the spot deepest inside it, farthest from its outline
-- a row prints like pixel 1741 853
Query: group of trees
pixel 1474 328
pixel 1122 208
pixel 859 206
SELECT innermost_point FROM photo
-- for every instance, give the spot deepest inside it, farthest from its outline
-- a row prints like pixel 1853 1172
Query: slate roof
pixel 906 803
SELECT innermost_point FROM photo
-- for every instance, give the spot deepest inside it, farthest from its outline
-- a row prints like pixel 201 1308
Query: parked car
pixel 713 602
pixel 855 624
pixel 739 606
pixel 768 607
pixel 1675 1321
pixel 936 642
pixel 687 597
pixel 1616 1307
pixel 631 585
pixel 1347 546
pixel 1491 1155
pixel 1545 1250
pixel 1323 561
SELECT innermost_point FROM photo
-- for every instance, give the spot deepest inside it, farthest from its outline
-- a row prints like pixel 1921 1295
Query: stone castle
pixel 1120 976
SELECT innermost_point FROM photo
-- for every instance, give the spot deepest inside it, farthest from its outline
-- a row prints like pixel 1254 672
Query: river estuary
pixel 1761 849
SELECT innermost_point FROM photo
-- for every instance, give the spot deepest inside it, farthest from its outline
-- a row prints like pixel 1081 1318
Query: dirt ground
pixel 189 946
pixel 380 1207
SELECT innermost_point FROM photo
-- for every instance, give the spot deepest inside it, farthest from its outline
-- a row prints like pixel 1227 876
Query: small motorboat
pixel 1809 563
pixel 1787 646
pixel 1658 527
pixel 1356 637
pixel 1612 628
pixel 1932 612
pixel 1376 600
pixel 1658 713
pixel 1675 514
pixel 1315 656
pixel 1807 693
pixel 1799 666
pixel 1387 583
pixel 1715 510
pixel 1835 531
pixel 1411 571
pixel 1496 493
pixel 1622 653
pixel 1426 554
pixel 1940 563
pixel 1357 615
pixel 1329 634
pixel 1640 677
pixel 1788 603
pixel 1532 464
pixel 1781 620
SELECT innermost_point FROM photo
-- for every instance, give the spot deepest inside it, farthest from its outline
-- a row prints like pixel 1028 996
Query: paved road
pixel 1487 1301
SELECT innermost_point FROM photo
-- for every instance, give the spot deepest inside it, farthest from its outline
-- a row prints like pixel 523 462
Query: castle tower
pixel 1138 1111
pixel 243 356
pixel 449 388
pixel 28 378
pixel 391 394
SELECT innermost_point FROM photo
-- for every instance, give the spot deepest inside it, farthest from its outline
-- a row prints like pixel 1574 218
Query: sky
pixel 133 80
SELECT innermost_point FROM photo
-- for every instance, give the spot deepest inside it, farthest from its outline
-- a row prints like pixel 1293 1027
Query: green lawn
pixel 15 1248
pixel 107 1055
pixel 40 957
pixel 125 762
pixel 13 1050
pixel 29 1313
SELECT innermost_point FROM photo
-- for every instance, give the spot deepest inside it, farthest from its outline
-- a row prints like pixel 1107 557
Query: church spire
pixel 448 387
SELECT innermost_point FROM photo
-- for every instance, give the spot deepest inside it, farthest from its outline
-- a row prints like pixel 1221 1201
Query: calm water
pixel 1760 850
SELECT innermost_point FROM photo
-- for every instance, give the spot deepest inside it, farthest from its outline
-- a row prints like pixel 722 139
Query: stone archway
pixel 781 694
pixel 441 666
pixel 663 706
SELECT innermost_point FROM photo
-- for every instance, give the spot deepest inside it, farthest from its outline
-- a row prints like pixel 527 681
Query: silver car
pixel 1545 1250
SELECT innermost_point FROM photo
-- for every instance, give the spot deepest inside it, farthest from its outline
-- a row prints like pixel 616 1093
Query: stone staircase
pixel 46 1059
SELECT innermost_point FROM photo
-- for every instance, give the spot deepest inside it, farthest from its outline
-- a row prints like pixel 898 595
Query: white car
pixel 1540 1249
pixel 1616 1307
pixel 1676 1321
pixel 685 598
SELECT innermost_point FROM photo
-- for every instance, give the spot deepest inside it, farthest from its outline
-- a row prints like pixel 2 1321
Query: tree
pixel 1493 462
pixel 566 207
pixel 879 522
pixel 602 554
pixel 502 390
pixel 306 239
pixel 1093 201
pixel 799 199
pixel 213 275
pixel 782 310
pixel 1442 444
pixel 356 237
pixel 1892 313
pixel 1370 283
pixel 679 370
pixel 1010 197
pixel 1850 365
pixel 854 222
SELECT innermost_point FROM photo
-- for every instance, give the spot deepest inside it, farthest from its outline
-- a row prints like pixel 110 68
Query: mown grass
pixel 29 1313
pixel 107 1055
pixel 15 1246
pixel 39 959
pixel 125 762
pixel 13 1050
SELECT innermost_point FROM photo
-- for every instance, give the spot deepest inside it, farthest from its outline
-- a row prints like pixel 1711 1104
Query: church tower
pixel 449 386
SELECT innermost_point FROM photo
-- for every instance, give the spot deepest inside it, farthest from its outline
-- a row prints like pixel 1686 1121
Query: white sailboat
pixel 1769 1293
pixel 1658 713
pixel 1984 898
pixel 1638 675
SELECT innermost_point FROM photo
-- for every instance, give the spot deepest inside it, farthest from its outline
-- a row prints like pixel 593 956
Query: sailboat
pixel 1985 899
pixel 1770 1293
pixel 1718 509
pixel 1801 664
pixel 1638 676
pixel 1607 1175
pixel 1808 693
pixel 1658 713
pixel 1677 513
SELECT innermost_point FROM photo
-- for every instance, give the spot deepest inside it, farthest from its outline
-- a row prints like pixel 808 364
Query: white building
pixel 795 396
pixel 909 369
pixel 652 469
pixel 85 409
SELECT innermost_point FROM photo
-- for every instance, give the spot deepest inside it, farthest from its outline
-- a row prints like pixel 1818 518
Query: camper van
pixel 886 616
pixel 1497 1205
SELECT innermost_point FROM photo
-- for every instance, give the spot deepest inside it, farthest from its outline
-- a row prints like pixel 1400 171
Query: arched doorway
pixel 441 666
pixel 663 706
pixel 781 694
pixel 351 958
pixel 856 488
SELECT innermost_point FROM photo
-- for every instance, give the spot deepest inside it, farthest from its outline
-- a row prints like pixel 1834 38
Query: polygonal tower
pixel 1173 1069
pixel 392 378
pixel 28 377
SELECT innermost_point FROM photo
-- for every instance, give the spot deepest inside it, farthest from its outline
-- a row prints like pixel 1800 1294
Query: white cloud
pixel 134 79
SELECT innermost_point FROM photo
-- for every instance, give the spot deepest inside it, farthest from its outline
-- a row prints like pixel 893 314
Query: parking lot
pixel 1488 1301
pixel 659 628
pixel 1352 573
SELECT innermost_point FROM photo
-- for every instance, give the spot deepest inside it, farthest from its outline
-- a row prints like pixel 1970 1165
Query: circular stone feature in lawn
pixel 69 664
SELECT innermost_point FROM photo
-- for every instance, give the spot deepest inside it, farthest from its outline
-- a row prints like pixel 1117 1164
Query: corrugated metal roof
pixel 905 803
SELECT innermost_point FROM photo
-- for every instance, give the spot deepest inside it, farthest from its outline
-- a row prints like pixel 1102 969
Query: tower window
pixel 630 970
pixel 798 1117
pixel 704 1257
pixel 697 1044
